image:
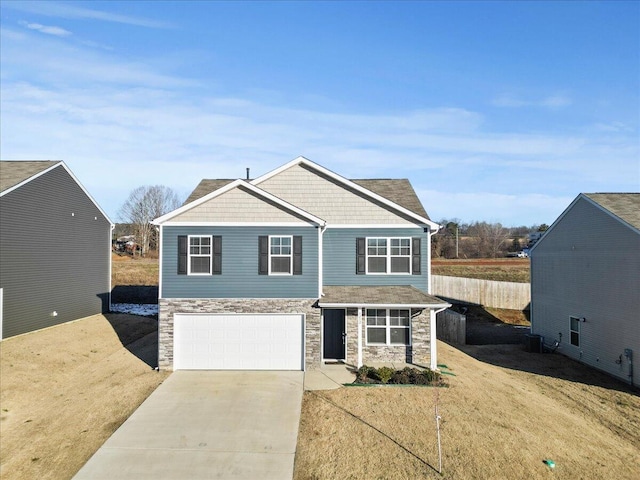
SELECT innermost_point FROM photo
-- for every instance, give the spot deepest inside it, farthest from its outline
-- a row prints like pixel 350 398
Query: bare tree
pixel 143 205
pixel 488 239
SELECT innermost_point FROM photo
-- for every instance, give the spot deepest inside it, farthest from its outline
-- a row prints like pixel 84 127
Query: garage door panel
pixel 238 342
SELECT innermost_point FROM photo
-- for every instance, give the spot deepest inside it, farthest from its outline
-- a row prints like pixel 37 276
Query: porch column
pixel 433 342
pixel 359 337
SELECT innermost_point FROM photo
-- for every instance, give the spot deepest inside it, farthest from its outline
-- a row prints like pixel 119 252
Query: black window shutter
pixel 217 255
pixel 361 256
pixel 182 254
pixel 415 256
pixel 297 255
pixel 263 255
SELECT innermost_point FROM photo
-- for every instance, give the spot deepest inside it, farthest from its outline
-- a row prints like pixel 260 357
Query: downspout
pixel 433 353
pixel 431 234
pixel 321 230
pixel 359 337
pixel 113 227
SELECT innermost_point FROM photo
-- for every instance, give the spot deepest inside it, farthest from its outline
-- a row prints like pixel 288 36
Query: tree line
pixel 479 239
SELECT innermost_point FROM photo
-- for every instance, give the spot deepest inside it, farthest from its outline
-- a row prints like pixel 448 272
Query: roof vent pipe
pixel 248 173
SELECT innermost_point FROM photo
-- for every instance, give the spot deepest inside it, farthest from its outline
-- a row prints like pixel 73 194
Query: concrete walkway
pixel 207 425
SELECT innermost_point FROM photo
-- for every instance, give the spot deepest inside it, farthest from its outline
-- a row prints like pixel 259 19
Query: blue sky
pixel 496 111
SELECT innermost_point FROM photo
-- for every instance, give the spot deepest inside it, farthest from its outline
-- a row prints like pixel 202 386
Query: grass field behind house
pixel 500 269
pixel 128 270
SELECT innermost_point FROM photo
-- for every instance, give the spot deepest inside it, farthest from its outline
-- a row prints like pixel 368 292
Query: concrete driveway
pixel 207 425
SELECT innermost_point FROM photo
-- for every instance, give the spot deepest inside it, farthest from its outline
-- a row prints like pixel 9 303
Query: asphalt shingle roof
pixel 625 206
pixel 14 172
pixel 379 295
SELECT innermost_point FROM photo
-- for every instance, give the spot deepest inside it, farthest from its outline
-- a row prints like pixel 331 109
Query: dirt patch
pixel 502 415
pixel 66 389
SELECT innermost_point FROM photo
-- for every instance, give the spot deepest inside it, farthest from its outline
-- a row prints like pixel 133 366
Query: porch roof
pixel 390 296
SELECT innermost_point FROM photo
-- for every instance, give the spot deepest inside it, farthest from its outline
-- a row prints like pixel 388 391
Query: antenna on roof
pixel 248 173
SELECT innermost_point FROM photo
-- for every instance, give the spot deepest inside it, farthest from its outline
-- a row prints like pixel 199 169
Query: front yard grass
pixel 503 414
pixel 66 389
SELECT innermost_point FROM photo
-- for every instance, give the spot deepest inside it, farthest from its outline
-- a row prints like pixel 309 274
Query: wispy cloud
pixel 74 11
pixel 514 101
pixel 49 30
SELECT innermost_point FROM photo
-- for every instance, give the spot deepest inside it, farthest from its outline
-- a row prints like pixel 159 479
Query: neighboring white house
pixel 585 283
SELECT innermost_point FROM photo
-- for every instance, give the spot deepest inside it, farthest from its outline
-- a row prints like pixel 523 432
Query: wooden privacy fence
pixel 451 327
pixel 511 295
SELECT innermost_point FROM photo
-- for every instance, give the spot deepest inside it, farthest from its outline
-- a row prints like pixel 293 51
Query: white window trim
pixel 389 256
pixel 571 330
pixel 190 255
pixel 387 327
pixel 290 256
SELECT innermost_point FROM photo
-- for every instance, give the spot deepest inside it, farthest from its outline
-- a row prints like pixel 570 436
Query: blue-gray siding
pixel 588 266
pixel 55 254
pixel 339 257
pixel 240 277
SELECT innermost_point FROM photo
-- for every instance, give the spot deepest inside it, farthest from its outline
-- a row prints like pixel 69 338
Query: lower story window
pixel 575 331
pixel 388 327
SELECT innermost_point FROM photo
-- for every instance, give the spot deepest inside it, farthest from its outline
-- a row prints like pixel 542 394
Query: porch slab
pixel 328 377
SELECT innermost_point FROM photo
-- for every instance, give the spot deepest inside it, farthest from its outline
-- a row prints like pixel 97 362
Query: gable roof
pixel 206 186
pixel 243 184
pixel 398 190
pixel 351 185
pixel 625 206
pixel 15 173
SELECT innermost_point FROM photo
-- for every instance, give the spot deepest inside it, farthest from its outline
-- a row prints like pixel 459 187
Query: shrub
pixel 406 376
pixel 385 373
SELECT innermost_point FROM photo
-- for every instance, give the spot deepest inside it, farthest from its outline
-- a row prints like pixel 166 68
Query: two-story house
pixel 295 268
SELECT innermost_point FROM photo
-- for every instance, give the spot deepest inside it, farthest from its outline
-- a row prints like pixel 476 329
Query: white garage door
pixel 238 342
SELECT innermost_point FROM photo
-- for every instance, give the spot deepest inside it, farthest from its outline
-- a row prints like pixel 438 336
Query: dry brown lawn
pixel 66 389
pixel 128 270
pixel 503 414
pixel 498 269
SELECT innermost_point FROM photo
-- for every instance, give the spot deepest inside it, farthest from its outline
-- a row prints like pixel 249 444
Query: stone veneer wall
pixel 419 353
pixel 169 306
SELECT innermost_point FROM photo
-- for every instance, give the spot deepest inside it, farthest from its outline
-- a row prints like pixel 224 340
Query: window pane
pixel 400 264
pixel 399 318
pixel 280 264
pixel 376 335
pixel 285 250
pixel 285 241
pixel 400 336
pixel 194 241
pixel 376 317
pixel 205 241
pixel 575 339
pixel 575 324
pixel 200 265
pixel 377 265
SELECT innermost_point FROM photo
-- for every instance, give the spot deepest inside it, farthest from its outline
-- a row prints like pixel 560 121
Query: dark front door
pixel 335 334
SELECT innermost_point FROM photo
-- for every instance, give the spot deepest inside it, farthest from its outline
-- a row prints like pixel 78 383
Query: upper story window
pixel 280 255
pixel 389 255
pixel 199 255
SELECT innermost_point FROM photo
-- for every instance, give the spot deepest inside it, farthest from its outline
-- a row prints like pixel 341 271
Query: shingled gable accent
pixel 356 186
pixel 245 185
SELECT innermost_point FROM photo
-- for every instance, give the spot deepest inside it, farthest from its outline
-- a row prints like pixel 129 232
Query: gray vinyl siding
pixel 339 257
pixel 55 251
pixel 239 278
pixel 588 266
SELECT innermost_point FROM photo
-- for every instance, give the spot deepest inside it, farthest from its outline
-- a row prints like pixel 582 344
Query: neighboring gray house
pixel 585 282
pixel 55 248
pixel 294 268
